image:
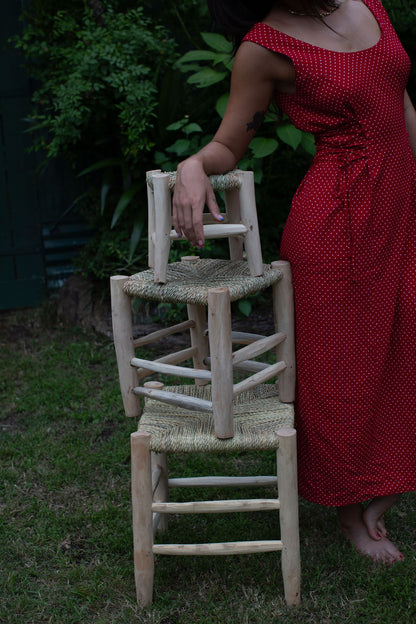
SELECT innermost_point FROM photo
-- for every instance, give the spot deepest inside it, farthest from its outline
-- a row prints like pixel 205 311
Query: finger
pixel 198 238
pixel 176 212
pixel 213 206
pixel 192 224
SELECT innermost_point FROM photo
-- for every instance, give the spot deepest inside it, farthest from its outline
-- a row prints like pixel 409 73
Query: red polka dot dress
pixel 351 240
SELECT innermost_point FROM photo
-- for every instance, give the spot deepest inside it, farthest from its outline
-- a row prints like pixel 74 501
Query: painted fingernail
pixel 220 217
pixel 378 535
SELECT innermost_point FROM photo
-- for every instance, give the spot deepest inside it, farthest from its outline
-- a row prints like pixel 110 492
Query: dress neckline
pixel 311 45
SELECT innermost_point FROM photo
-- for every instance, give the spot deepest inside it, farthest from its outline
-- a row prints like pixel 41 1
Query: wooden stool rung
pixel 218 506
pixel 266 481
pixel 163 333
pixel 170 369
pixel 217 230
pixel 258 378
pixel 171 358
pixel 258 347
pixel 221 548
pixel 174 398
pixel 245 337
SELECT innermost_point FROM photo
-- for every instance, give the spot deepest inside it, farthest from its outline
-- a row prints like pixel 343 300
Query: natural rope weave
pixel 258 415
pixel 188 282
pixel 225 182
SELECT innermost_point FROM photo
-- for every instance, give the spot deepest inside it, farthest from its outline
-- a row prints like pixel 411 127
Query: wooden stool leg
pixel 163 225
pixel 289 514
pixel 197 313
pixel 151 218
pixel 284 319
pixel 249 218
pixel 232 208
pixel 161 493
pixel 220 343
pixel 123 343
pixel 141 489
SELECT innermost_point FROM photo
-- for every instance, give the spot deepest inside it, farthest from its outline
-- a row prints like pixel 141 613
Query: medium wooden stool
pixel 207 287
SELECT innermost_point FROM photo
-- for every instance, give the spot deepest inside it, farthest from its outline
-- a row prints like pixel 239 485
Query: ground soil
pixel 78 304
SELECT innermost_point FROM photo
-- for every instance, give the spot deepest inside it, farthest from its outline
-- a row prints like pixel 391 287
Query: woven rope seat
pixel 188 282
pixel 258 415
pixel 225 182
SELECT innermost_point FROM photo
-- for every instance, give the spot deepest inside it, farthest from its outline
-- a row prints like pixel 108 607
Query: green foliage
pixel 105 92
pixel 97 82
pixel 403 16
pixel 212 66
pixel 107 253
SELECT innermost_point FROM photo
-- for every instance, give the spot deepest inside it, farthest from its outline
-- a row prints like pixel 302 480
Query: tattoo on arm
pixel 256 122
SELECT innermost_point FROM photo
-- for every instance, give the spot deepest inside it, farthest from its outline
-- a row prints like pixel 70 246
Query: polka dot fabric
pixel 351 239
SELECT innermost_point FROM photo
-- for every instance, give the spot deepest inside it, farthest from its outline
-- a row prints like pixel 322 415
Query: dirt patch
pixel 11 423
pixel 79 305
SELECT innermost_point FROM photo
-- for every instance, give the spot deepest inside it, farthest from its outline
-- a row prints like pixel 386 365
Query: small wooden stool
pixel 240 224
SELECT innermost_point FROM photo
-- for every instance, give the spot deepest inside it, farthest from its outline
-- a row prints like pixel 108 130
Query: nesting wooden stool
pixel 214 414
pixel 240 224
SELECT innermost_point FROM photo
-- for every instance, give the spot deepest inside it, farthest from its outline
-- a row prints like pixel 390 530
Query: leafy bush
pixel 98 84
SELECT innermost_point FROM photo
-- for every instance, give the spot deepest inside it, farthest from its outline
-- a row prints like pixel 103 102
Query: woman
pixel 337 68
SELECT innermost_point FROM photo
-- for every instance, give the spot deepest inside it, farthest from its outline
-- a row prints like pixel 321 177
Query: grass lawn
pixel 65 529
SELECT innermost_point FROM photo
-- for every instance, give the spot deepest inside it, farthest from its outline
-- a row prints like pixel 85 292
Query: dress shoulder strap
pixel 274 40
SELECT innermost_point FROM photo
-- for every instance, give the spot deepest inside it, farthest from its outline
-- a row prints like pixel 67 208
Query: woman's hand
pixel 192 192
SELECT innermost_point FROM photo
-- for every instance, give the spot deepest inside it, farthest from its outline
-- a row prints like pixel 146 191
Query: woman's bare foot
pixel 373 515
pixel 354 529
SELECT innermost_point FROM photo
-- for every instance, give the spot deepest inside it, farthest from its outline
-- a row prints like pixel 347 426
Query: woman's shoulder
pixel 260 61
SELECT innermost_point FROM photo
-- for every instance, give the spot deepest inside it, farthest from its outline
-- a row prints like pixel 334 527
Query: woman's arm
pixel 410 117
pixel 257 72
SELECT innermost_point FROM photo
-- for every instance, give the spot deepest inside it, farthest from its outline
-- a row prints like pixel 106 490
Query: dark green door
pixel 22 273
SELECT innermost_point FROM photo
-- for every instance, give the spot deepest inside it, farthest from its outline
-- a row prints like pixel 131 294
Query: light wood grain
pixel 232 207
pixel 163 225
pixel 209 481
pixel 219 326
pixel 173 398
pixel 141 498
pixel 123 343
pixel 163 333
pixel 170 369
pixel 159 463
pixel 284 311
pixel 151 220
pixel 249 218
pixel 259 378
pixel 170 358
pixel 222 548
pixel 219 506
pixel 258 347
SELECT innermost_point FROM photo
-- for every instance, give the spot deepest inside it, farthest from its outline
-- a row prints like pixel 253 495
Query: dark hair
pixel 236 17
